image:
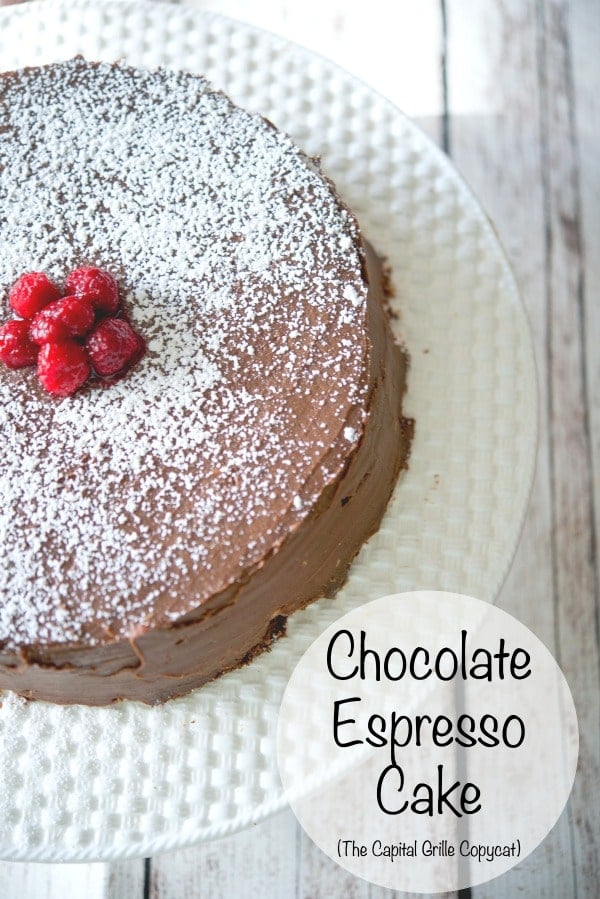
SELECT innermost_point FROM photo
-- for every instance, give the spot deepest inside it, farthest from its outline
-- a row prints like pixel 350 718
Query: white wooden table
pixel 511 90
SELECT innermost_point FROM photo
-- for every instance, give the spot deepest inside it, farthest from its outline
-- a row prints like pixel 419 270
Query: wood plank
pixel 259 861
pixel 585 41
pixel 494 137
pixel 124 879
pixel 576 598
pixel 121 880
pixel 319 876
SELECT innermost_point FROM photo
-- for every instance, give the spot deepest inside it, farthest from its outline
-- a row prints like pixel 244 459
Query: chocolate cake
pixel 157 532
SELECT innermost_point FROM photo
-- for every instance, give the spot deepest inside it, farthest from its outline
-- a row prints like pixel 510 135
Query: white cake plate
pixel 82 784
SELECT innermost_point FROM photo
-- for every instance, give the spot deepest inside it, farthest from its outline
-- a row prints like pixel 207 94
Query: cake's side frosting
pixel 158 533
pixel 231 627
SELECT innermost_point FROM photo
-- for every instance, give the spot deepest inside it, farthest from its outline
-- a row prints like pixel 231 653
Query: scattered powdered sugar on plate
pixel 240 267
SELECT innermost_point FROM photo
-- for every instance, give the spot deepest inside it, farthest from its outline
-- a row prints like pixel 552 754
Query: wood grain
pixel 122 880
pixel 584 22
pixel 572 478
pixel 259 861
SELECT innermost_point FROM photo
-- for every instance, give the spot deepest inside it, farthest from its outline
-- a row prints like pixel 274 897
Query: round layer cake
pixel 157 532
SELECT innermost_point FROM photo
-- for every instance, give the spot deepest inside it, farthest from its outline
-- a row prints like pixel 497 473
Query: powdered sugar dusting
pixel 240 268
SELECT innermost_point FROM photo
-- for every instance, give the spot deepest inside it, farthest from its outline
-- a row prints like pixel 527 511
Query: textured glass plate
pixel 79 783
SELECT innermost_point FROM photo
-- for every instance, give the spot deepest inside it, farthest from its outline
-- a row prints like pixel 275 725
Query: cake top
pixel 129 506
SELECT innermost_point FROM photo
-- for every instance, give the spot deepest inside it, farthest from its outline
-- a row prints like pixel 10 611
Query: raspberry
pixel 16 349
pixel 31 293
pixel 97 285
pixel 62 367
pixel 59 324
pixel 113 345
pixel 68 317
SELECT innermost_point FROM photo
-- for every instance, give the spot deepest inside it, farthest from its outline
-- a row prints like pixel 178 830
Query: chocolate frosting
pixel 158 533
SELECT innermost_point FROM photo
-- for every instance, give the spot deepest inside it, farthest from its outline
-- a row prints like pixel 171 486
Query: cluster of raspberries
pixel 70 335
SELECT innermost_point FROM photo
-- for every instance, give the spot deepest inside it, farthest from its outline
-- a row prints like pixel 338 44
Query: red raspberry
pixel 97 285
pixel 16 349
pixel 113 345
pixel 62 367
pixel 31 293
pixel 69 317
